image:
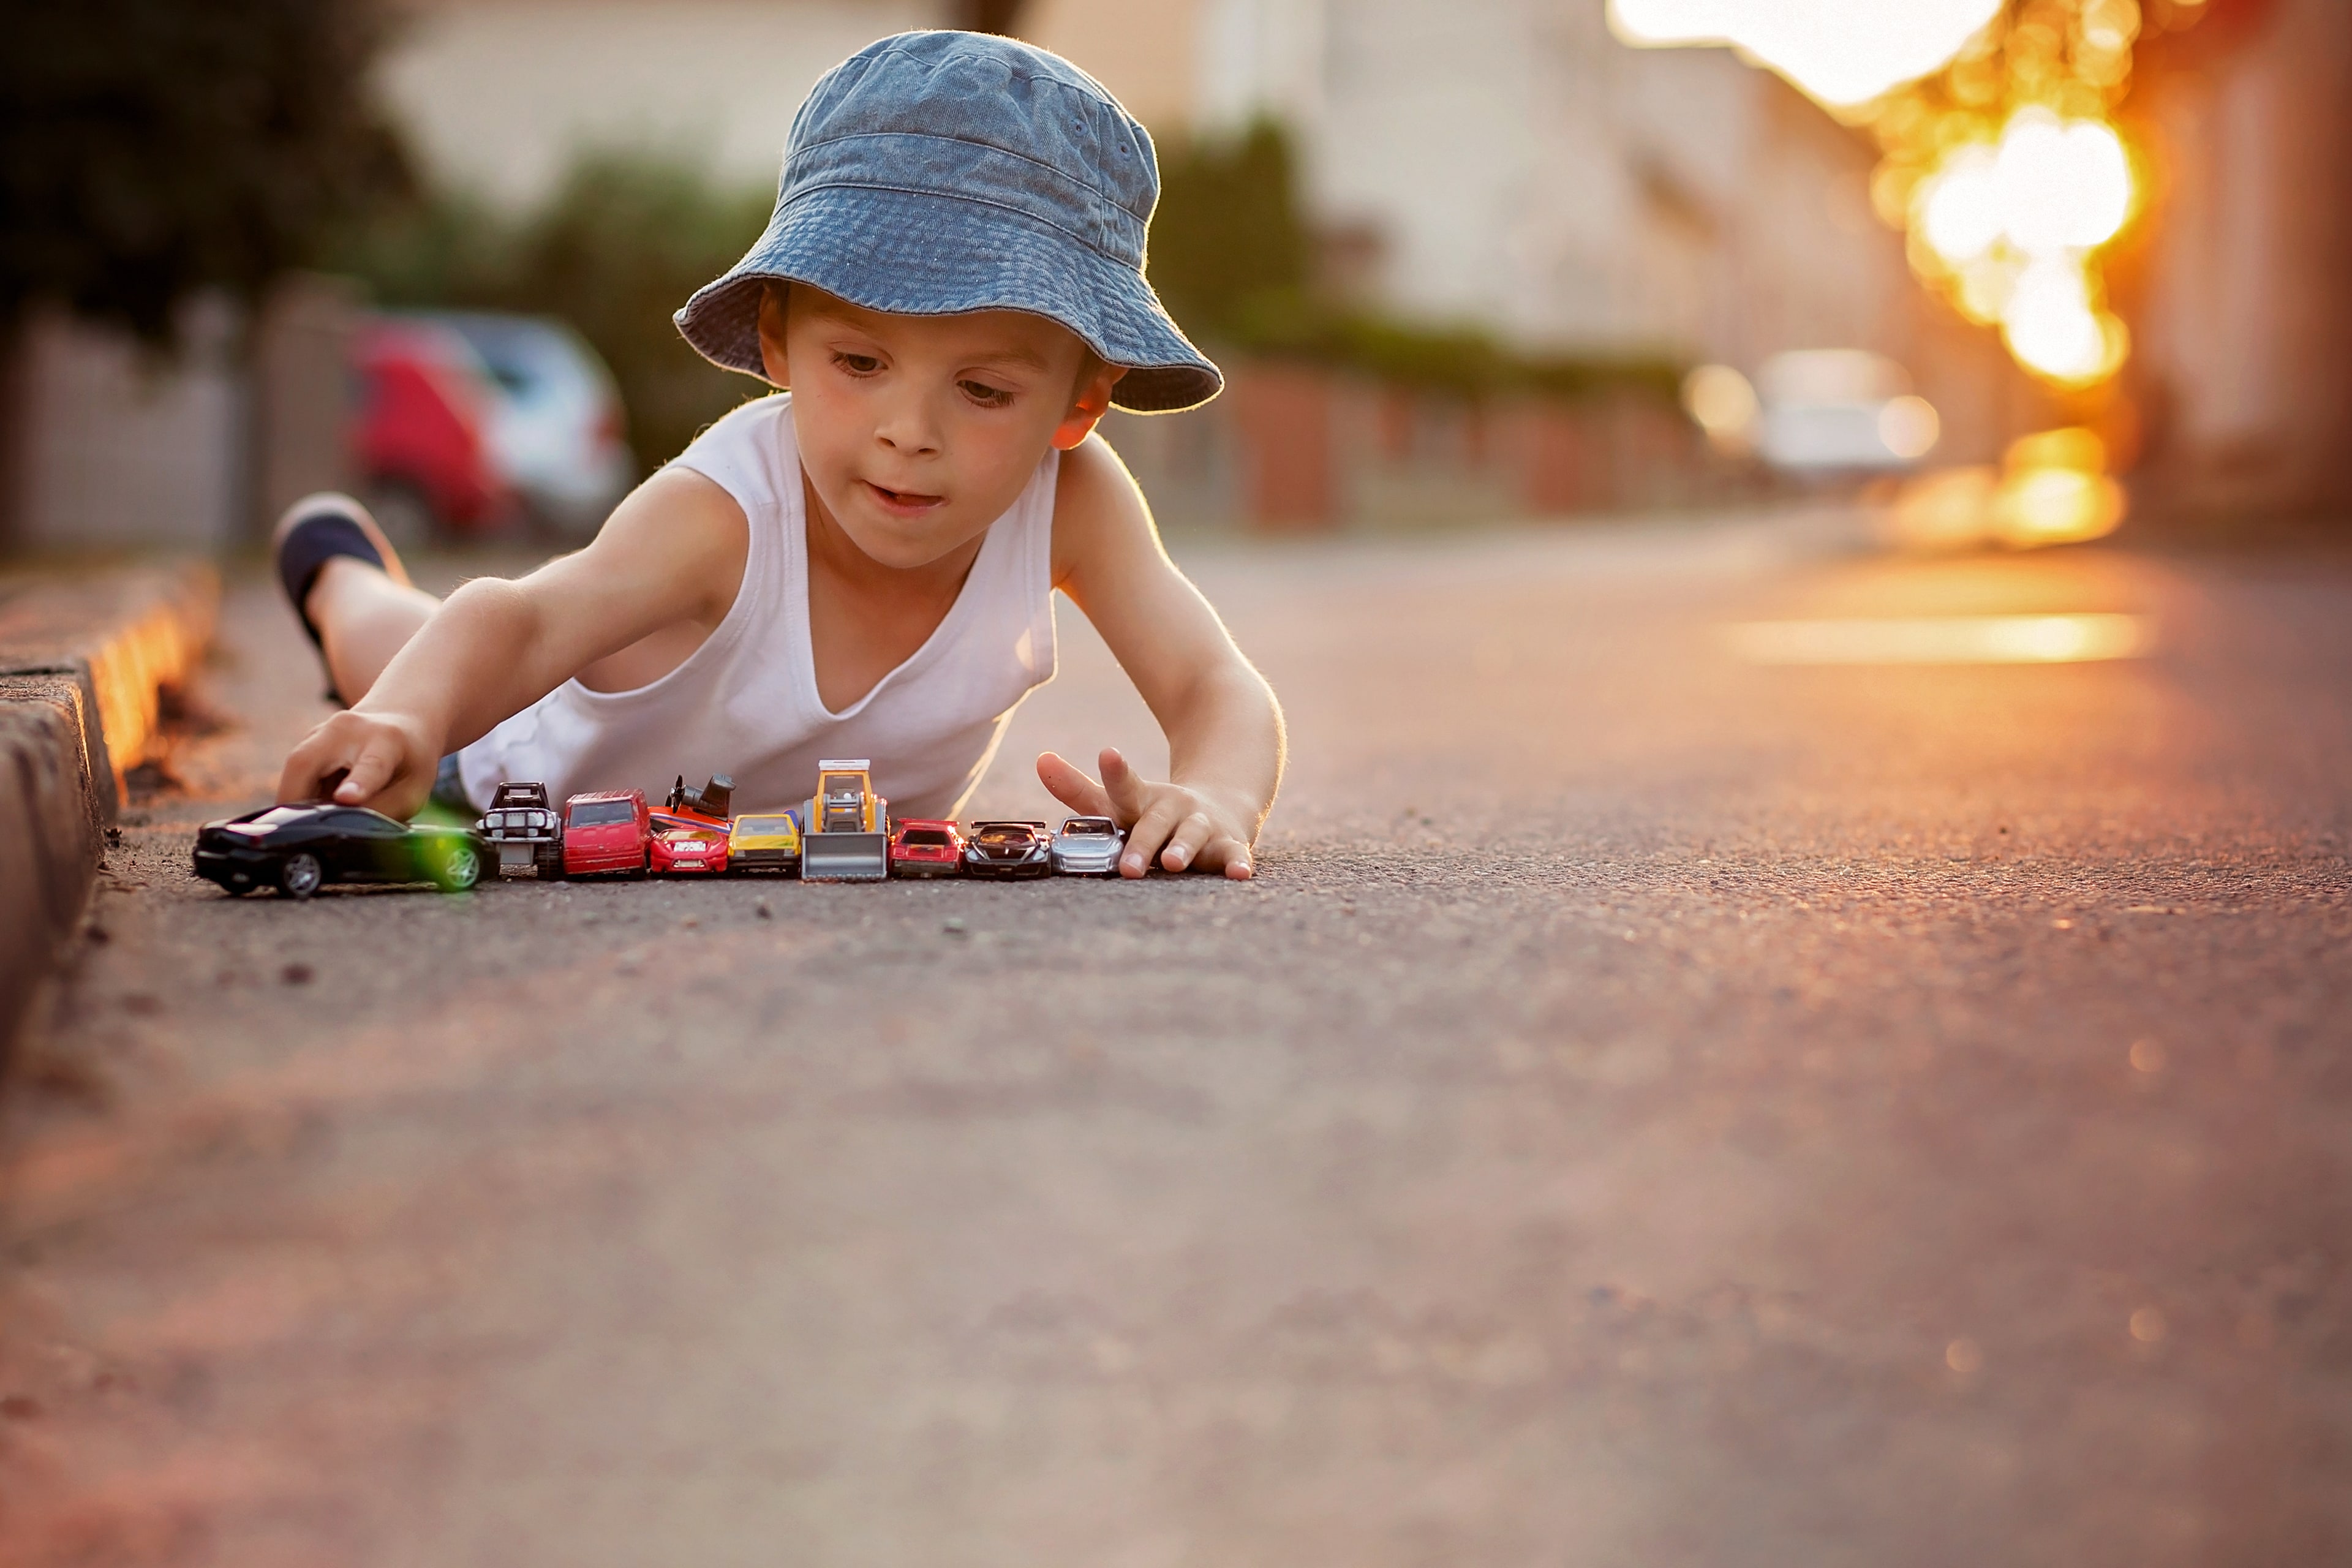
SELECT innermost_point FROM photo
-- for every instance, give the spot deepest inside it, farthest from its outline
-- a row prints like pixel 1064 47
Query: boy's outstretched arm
pixel 1224 726
pixel 671 556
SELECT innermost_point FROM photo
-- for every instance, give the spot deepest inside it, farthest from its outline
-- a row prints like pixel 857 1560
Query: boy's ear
pixel 772 358
pixel 1088 407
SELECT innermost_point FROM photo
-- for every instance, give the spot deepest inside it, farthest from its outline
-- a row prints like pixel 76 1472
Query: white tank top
pixel 746 703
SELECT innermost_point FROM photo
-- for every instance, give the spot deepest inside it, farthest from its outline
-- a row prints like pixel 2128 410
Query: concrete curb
pixel 83 665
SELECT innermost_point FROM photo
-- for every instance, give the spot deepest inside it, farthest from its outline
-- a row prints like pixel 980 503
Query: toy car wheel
pixel 549 860
pixel 460 868
pixel 300 876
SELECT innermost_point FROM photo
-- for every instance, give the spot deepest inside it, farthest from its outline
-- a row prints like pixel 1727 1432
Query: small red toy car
pixel 920 848
pixel 607 831
pixel 686 845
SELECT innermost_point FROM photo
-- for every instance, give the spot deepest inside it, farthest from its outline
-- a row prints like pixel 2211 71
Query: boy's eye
pixel 988 396
pixel 857 364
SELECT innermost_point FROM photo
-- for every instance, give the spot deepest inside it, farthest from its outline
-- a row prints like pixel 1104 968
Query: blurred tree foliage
pixel 624 240
pixel 150 148
pixel 1232 257
pixel 1228 240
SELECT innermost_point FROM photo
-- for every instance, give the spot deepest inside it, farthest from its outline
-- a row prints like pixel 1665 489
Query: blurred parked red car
pixel 556 429
pixel 422 440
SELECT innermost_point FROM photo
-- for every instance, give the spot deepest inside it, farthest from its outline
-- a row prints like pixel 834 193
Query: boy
pixel 951 291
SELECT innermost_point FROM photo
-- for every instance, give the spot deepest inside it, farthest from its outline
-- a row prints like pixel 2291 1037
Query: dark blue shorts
pixel 449 791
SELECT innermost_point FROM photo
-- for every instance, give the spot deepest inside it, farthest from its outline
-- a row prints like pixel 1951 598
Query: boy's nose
pixel 907 430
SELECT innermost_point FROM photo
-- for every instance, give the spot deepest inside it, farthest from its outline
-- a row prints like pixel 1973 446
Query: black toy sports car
pixel 1008 849
pixel 299 848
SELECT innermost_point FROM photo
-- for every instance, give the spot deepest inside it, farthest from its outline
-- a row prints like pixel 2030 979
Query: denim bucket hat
pixel 933 174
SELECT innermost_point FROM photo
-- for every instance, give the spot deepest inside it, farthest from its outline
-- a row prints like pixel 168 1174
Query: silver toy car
pixel 1087 846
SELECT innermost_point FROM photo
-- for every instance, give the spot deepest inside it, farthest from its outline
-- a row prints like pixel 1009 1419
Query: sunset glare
pixel 1843 52
pixel 1998 154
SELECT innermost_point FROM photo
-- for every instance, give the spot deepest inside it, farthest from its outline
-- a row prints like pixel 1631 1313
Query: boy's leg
pixel 349 587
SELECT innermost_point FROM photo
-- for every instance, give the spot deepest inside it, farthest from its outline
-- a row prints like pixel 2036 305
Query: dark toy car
pixel 920 848
pixel 1008 849
pixel 524 831
pixel 608 830
pixel 297 849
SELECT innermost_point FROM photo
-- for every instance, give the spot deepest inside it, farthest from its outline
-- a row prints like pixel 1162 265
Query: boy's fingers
pixel 1191 834
pixel 370 772
pixel 1144 839
pixel 1229 854
pixel 1127 797
pixel 1224 852
pixel 308 764
pixel 1071 786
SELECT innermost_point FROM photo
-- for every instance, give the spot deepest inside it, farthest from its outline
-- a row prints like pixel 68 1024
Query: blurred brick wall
pixel 118 445
pixel 1292 449
pixel 113 445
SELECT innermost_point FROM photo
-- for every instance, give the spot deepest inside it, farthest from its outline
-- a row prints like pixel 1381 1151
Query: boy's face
pixel 917 432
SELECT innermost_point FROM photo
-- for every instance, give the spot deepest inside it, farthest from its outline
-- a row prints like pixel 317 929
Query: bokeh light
pixel 1944 639
pixel 2050 325
pixel 1721 403
pixel 1959 210
pixel 2062 185
pixel 1910 427
pixel 2010 226
pixel 2051 488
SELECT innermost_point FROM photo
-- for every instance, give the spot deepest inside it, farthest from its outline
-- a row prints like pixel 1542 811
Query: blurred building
pixel 2241 299
pixel 498 96
pixel 1504 164
pixel 1509 162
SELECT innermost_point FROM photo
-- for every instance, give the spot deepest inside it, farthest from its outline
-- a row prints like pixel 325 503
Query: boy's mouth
pixel 902 504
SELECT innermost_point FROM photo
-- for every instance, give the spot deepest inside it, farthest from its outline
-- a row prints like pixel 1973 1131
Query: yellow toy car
pixel 770 842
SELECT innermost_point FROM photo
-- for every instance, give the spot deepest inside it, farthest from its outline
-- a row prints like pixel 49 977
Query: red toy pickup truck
pixel 608 831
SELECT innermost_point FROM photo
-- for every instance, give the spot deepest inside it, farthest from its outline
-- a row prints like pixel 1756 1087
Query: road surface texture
pixel 1656 1106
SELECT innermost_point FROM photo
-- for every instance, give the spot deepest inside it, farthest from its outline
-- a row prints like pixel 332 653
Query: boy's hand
pixel 380 759
pixel 1208 830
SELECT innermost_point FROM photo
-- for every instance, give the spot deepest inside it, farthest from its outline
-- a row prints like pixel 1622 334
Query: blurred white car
pixel 1816 411
pixel 556 433
pixel 1842 409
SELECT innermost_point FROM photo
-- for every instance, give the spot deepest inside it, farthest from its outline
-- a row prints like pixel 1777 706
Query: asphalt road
pixel 1654 1107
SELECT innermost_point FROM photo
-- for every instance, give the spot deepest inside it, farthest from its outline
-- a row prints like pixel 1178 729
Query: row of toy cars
pixel 849 835
pixel 844 834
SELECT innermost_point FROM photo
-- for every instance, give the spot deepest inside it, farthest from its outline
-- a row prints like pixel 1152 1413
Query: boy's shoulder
pixel 1097 505
pixel 753 414
pixel 749 452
